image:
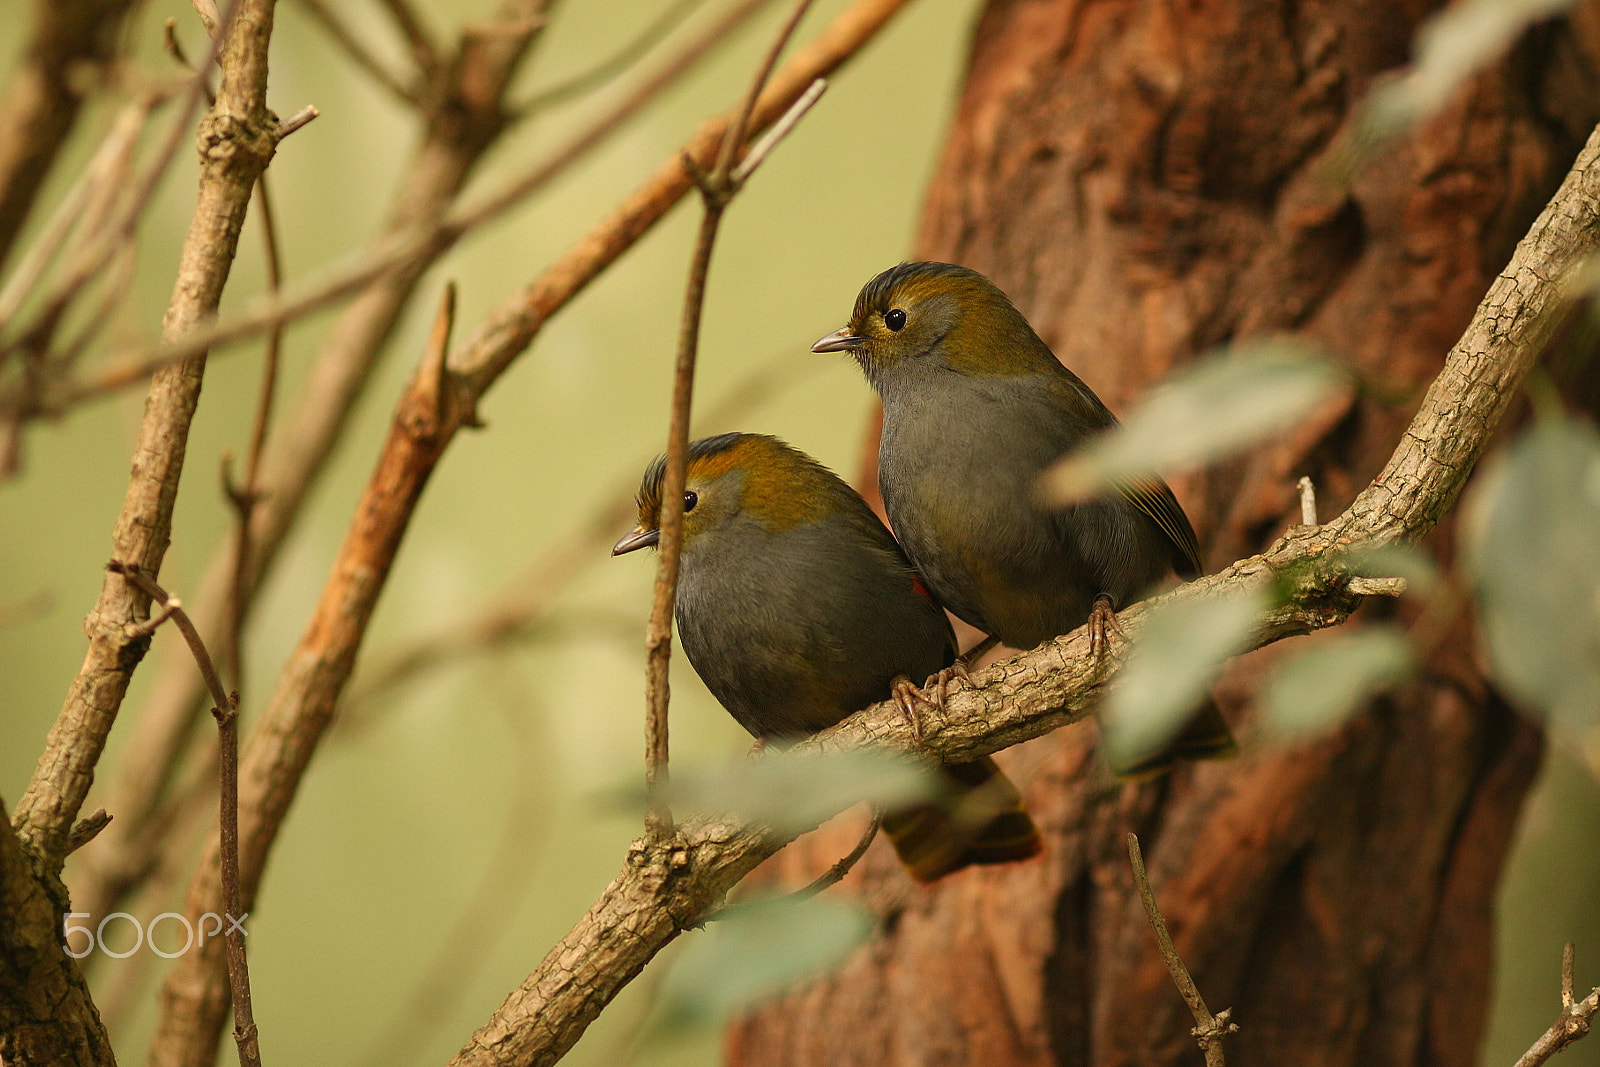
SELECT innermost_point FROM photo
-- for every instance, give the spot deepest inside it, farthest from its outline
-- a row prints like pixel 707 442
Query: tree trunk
pixel 1148 181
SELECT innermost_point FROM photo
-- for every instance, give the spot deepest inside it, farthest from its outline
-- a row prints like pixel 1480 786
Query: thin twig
pixel 1574 1021
pixel 1308 501
pixel 298 120
pixel 399 251
pixel 245 497
pixel 226 711
pixel 357 52
pixel 1209 1030
pixel 606 69
pixel 716 191
pixel 423 50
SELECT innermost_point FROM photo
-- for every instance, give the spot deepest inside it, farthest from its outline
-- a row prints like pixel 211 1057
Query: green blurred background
pixel 523 754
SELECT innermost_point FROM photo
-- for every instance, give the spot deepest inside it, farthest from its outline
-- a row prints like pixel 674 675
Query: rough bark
pixel 1148 181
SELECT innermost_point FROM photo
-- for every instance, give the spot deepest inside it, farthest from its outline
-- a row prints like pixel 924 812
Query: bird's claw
pixel 906 695
pixel 1103 625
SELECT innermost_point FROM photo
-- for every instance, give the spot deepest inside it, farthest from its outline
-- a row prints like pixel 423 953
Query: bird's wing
pixel 1151 496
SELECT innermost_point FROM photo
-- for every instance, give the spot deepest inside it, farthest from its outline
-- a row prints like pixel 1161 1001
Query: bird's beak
pixel 840 340
pixel 635 539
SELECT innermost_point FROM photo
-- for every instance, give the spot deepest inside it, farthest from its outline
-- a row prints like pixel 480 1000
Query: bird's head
pixel 937 316
pixel 736 477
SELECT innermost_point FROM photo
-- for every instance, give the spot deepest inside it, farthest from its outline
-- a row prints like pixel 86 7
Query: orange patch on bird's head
pixel 917 309
pixel 753 474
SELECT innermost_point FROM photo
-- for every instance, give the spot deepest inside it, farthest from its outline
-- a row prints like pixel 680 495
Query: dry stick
pixel 244 498
pixel 238 134
pixel 717 190
pixel 606 69
pixel 225 706
pixel 164 735
pixel 664 888
pixel 1209 1030
pixel 1308 501
pixel 408 249
pixel 286 736
pixel 357 52
pixel 1573 1022
pixel 423 51
pixel 99 243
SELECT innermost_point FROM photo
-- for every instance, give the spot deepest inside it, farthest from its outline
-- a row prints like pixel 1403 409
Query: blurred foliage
pixel 794 793
pixel 1531 527
pixel 1177 657
pixel 754 950
pixel 1212 409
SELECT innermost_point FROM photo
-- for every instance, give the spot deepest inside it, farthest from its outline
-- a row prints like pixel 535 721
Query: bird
pixel 975 407
pixel 797 608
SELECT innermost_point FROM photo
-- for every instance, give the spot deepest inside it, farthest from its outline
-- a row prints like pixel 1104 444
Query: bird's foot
pixel 907 695
pixel 757 747
pixel 1103 625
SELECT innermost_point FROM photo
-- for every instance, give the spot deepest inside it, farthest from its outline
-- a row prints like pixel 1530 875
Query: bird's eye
pixel 690 499
pixel 895 319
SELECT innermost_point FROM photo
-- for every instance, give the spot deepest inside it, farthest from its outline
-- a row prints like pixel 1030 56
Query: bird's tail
pixel 979 820
pixel 1205 737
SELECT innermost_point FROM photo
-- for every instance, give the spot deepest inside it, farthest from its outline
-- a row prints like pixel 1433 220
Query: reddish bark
pixel 1148 181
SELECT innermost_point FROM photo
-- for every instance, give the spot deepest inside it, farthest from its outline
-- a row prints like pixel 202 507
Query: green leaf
pixel 1451 47
pixel 1317 687
pixel 1218 407
pixel 795 792
pixel 1531 528
pixel 1173 664
pixel 758 950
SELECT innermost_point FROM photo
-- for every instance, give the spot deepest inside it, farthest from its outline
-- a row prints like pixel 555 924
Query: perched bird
pixel 975 407
pixel 797 608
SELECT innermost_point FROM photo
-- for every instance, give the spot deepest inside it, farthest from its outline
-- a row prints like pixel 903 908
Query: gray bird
pixel 975 407
pixel 796 607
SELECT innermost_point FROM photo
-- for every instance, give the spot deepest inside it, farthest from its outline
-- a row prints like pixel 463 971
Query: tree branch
pixel 236 142
pixel 1209 1030
pixel 717 190
pixel 294 721
pixel 665 887
pixel 1573 1022
pixel 46 1016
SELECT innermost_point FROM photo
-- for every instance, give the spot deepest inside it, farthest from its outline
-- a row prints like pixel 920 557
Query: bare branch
pixel 226 710
pixel 1209 1030
pixel 1574 1021
pixel 424 52
pixel 238 134
pixel 605 70
pixel 358 53
pixel 717 190
pixel 294 721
